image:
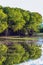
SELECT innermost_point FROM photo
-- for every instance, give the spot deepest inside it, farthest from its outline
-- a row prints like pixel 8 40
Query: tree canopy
pixel 3 21
pixel 19 20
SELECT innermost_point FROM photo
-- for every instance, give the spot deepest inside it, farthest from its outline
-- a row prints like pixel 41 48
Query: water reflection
pixel 38 42
pixel 38 61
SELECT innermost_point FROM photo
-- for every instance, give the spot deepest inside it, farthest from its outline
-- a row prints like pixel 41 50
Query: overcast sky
pixel 32 5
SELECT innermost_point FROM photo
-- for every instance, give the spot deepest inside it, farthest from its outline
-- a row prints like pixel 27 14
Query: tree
pixel 1 7
pixel 26 17
pixel 3 21
pixel 19 20
pixel 35 21
pixel 15 18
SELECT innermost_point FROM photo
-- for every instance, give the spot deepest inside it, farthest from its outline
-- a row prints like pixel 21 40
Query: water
pixel 38 61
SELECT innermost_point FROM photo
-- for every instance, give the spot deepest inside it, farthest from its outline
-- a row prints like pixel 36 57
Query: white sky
pixel 32 5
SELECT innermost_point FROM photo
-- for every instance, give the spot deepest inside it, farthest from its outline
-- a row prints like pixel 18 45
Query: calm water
pixel 38 61
pixel 39 41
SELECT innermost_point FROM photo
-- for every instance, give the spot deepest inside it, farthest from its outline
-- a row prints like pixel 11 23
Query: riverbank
pixel 17 37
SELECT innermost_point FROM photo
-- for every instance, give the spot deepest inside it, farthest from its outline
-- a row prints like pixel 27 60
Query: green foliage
pixel 35 21
pixel 15 18
pixel 19 20
pixel 1 7
pixel 3 21
pixel 26 15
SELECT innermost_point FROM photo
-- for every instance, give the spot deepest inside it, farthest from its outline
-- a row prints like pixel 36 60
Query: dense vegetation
pixel 15 53
pixel 20 21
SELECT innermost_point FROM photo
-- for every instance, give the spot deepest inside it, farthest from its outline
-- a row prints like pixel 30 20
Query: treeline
pixel 20 21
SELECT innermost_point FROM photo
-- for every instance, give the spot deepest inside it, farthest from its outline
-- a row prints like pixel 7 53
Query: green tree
pixel 19 20
pixel 26 17
pixel 35 21
pixel 1 7
pixel 15 18
pixel 3 21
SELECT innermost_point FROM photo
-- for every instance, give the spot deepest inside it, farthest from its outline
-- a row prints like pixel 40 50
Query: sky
pixel 31 5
